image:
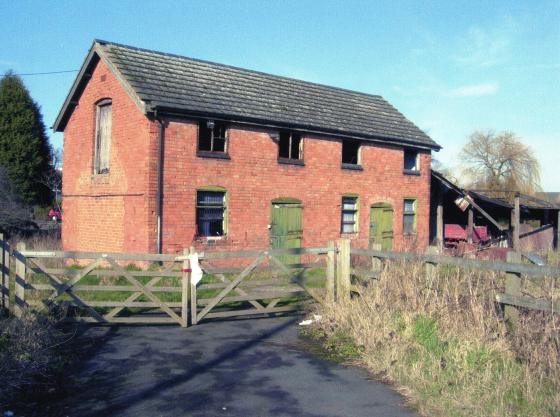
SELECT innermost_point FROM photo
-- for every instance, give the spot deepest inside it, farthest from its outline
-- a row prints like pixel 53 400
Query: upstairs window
pixel 349 215
pixel 409 216
pixel 290 146
pixel 102 136
pixel 210 213
pixel 350 153
pixel 212 137
pixel 410 161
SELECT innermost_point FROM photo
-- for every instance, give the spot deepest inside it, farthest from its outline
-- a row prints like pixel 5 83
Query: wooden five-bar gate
pixel 155 288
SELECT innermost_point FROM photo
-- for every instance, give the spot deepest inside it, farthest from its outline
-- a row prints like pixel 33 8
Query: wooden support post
pixel 21 271
pixel 515 218
pixel 558 232
pixel 4 274
pixel 513 288
pixel 470 226
pixel 343 270
pixel 376 263
pixel 439 225
pixel 185 284
pixel 330 272
pixel 194 313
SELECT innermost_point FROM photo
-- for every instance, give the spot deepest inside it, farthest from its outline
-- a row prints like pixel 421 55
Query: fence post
pixel 194 318
pixel 4 273
pixel 558 232
pixel 376 263
pixel 343 270
pixel 330 272
pixel 515 213
pixel 185 284
pixel 21 266
pixel 431 268
pixel 513 288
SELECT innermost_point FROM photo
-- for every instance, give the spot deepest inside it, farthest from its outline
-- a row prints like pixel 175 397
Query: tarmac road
pixel 241 368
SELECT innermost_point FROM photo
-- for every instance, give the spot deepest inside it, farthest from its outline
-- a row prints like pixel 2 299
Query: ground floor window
pixel 409 216
pixel 210 213
pixel 349 215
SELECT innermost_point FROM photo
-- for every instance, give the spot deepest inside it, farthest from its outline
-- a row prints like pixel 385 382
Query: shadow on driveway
pixel 254 367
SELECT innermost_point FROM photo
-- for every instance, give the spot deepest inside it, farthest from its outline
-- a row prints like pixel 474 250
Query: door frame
pixel 287 202
pixel 382 205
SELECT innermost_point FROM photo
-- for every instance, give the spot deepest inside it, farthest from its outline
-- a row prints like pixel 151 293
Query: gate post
pixel 194 314
pixel 21 270
pixel 513 288
pixel 330 272
pixel 343 270
pixel 185 284
pixel 4 273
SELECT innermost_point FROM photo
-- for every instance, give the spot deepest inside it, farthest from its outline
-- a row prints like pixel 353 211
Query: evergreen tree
pixel 24 147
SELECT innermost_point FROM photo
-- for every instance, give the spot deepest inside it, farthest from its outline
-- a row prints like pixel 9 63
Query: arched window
pixel 102 136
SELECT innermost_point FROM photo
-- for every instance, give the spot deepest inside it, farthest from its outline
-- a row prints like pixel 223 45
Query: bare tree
pixel 500 162
pixel 14 214
pixel 443 169
pixel 52 178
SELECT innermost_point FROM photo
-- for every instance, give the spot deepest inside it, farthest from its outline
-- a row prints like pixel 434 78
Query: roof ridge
pixel 297 80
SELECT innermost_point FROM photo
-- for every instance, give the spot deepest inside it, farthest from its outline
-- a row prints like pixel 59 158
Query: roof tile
pixel 190 85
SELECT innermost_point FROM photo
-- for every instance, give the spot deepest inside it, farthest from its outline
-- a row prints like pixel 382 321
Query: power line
pixel 45 73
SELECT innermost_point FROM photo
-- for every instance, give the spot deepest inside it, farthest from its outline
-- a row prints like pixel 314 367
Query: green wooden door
pixel 285 229
pixel 381 226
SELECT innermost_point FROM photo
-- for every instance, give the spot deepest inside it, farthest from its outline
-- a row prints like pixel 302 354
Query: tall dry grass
pixel 29 354
pixel 442 340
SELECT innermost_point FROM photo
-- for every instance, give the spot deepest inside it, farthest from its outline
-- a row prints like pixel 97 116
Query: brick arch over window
pixel 102 141
pixel 286 200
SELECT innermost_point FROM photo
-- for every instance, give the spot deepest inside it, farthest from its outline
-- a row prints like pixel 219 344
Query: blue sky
pixel 451 67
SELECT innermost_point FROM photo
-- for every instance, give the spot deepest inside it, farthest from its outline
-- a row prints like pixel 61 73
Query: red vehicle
pixel 55 215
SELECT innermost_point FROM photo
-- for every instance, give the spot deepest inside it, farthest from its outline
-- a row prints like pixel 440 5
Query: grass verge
pixel 441 339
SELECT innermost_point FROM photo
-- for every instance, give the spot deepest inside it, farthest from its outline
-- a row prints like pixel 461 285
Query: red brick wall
pixel 116 212
pixel 109 212
pixel 253 178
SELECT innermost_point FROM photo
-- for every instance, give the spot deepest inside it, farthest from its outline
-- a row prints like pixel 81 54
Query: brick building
pixel 162 152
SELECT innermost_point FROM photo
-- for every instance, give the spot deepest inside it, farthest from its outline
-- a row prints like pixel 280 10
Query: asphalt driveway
pixel 244 368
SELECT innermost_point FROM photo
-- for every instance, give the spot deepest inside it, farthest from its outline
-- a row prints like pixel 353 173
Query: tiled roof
pixel 174 83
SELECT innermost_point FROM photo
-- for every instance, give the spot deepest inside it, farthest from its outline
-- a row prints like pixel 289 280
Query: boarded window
pixel 210 213
pixel 349 215
pixel 102 137
pixel 409 216
pixel 212 136
pixel 410 160
pixel 351 152
pixel 289 145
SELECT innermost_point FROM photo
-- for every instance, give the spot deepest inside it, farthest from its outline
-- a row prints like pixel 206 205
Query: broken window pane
pixel 410 160
pixel 289 145
pixel 212 136
pixel 350 152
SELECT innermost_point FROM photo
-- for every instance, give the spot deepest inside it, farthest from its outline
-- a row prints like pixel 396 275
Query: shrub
pixel 28 353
